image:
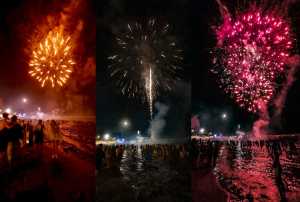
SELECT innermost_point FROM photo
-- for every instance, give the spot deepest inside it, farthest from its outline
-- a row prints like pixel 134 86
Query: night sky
pixel 19 22
pixel 192 21
pixel 208 100
pixel 112 106
pixel 14 69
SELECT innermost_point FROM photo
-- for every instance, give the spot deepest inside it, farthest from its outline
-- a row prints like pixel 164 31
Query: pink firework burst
pixel 253 49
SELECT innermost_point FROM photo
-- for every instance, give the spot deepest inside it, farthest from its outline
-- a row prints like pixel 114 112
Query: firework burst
pixel 147 60
pixel 252 51
pixel 51 61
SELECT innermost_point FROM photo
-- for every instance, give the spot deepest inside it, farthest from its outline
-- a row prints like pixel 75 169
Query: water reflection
pixel 151 172
pixel 256 170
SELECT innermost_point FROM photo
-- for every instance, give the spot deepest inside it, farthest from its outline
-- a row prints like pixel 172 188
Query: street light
pixel 8 110
pixel 138 132
pixel 24 100
pixel 106 136
pixel 224 116
pixel 202 130
pixel 125 123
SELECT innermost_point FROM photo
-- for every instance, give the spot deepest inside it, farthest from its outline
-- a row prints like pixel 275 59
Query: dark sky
pixel 14 81
pixel 112 106
pixel 192 21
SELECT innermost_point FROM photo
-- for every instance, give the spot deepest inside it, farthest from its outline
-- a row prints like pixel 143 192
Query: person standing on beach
pixel 100 157
pixel 29 129
pixel 4 125
pixel 55 136
pixel 39 136
pixel 14 139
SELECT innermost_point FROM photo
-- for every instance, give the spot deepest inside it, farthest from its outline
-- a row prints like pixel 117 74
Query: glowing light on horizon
pixel 106 136
pixel 8 110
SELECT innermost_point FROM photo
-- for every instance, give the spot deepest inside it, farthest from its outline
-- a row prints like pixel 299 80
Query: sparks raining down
pixel 52 61
pixel 252 51
pixel 146 60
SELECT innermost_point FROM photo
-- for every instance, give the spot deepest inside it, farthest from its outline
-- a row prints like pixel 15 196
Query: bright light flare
pixel 8 110
pixel 106 136
pixel 224 116
pixel 125 123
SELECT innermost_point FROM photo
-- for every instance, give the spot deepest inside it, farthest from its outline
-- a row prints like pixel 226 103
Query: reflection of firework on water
pixel 52 61
pixel 253 48
pixel 146 60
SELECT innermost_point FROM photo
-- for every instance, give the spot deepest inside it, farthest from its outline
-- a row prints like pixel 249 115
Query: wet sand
pixel 138 181
pixel 205 187
pixel 110 186
pixel 38 177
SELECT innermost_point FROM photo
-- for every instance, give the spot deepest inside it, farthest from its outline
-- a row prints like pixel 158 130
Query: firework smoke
pixel 279 102
pixel 195 123
pixel 158 123
pixel 260 127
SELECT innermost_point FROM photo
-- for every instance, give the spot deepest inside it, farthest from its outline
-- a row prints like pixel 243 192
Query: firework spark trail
pixel 146 60
pixel 253 48
pixel 52 61
pixel 150 93
pixel 149 90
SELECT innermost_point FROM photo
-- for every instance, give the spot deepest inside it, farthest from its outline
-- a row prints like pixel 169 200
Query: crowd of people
pixel 110 156
pixel 17 134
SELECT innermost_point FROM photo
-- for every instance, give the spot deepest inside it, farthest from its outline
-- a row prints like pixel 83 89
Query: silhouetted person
pixel 14 138
pixel 39 132
pixel 29 128
pixel 39 136
pixel 55 136
pixel 276 152
pixel 100 157
pixel 4 125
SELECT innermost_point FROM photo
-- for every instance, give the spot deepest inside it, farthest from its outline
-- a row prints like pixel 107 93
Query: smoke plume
pixel 279 102
pixel 158 123
pixel 260 126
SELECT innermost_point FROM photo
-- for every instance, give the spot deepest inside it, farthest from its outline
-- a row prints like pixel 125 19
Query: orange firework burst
pixel 51 62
